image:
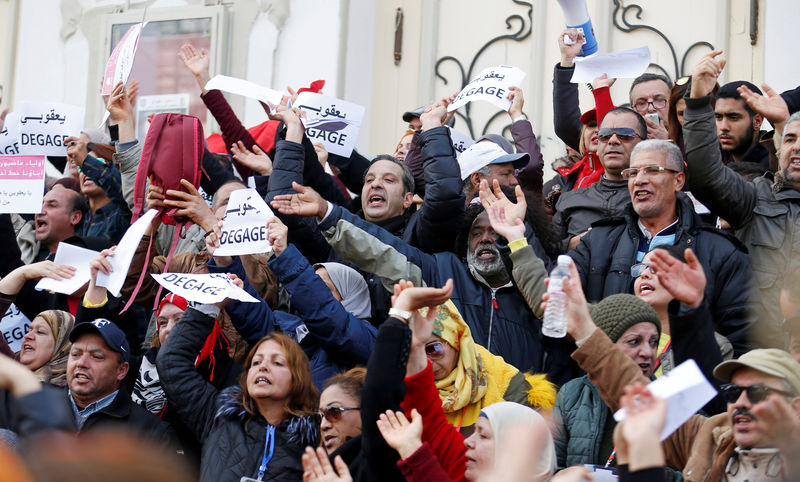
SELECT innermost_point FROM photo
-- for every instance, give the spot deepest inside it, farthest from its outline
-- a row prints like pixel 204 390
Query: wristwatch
pixel 401 314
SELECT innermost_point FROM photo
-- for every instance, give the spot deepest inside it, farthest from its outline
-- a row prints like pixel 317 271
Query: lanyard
pixel 611 457
pixel 269 446
pixel 666 347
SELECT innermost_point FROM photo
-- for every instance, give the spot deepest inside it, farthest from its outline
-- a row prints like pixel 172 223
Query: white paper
pixel 699 207
pixel 333 122
pixel 120 63
pixel 685 390
pixel 203 288
pixel 244 88
pixel 22 184
pixel 244 229
pixel 43 127
pixel 123 255
pixel 9 136
pixel 13 327
pixel 491 85
pixel 626 64
pixel 76 257
pixel 461 141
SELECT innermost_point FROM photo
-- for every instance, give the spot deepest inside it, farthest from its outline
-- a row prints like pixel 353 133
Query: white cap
pixel 482 154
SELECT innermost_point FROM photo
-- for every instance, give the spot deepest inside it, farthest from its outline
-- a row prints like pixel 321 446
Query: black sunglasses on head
pixel 755 393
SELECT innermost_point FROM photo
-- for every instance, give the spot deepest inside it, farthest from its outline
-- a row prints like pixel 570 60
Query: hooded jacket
pixel 233 440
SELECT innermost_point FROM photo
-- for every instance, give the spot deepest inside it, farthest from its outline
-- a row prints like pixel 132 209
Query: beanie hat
pixel 616 313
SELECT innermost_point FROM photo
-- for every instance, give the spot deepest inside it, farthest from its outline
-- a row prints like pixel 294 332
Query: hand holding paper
pixel 210 288
pixel 67 255
pixel 491 85
pixel 620 65
pixel 244 229
pixel 123 255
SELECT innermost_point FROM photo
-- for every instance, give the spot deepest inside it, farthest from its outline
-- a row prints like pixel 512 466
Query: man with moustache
pixel 764 213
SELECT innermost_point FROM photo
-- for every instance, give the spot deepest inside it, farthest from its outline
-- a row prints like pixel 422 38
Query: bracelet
pixel 209 232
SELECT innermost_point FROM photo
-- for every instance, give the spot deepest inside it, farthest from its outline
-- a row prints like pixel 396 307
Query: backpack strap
pixel 178 227
pixel 144 268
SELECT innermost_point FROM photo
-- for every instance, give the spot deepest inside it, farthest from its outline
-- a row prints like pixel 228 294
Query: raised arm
pixel 566 108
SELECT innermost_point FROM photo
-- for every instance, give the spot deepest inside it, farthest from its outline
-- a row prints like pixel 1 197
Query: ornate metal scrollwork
pixel 523 31
pixel 620 15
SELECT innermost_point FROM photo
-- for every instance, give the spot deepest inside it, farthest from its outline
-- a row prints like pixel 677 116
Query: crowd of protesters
pixel 397 333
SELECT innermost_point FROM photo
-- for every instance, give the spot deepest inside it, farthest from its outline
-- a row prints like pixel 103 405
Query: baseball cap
pixel 408 115
pixel 770 361
pixel 482 154
pixel 113 336
pixel 174 299
pixel 499 140
pixel 589 115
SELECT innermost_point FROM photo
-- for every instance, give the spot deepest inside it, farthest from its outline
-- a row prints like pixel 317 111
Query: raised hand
pixel 256 160
pixel 277 234
pixel 603 81
pixel 407 297
pixel 569 52
pixel 96 294
pixel 119 103
pixel 197 61
pixel 778 422
pixel 637 437
pixel 447 101
pixel 322 153
pixel 76 150
pixel 212 238
pixel 434 115
pixel 513 211
pixel 12 283
pixel 307 202
pixel 317 467
pixel 517 101
pixel 290 117
pixel 192 205
pixel 706 72
pixel 401 434
pixel 512 230
pixel 771 105
pixel 686 282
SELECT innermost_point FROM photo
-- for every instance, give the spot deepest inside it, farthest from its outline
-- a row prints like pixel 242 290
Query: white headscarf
pixel 352 288
pixel 505 415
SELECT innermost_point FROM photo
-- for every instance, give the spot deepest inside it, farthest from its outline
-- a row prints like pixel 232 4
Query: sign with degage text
pixel 333 122
pixel 43 127
pixel 244 229
pixel 203 288
pixel 491 85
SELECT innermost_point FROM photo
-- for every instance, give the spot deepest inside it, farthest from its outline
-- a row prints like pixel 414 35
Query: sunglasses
pixel 623 133
pixel 434 350
pixel 755 393
pixel 334 413
pixel 639 268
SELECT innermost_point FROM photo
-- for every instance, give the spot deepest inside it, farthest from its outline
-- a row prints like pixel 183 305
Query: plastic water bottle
pixel 555 317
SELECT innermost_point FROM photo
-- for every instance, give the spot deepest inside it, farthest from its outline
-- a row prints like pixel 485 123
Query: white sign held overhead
pixel 244 88
pixel 491 85
pixel 78 258
pixel 9 136
pixel 123 255
pixel 203 288
pixel 685 390
pixel 333 122
pixel 13 327
pixel 244 229
pixel 626 64
pixel 120 63
pixel 43 127
pixel 21 184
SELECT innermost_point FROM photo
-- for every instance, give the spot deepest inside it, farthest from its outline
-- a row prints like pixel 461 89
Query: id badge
pixel 603 474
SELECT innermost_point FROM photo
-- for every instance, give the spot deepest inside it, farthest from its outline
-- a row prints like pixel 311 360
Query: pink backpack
pixel 173 150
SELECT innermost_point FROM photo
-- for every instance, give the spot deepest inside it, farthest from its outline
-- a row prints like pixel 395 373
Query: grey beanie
pixel 616 313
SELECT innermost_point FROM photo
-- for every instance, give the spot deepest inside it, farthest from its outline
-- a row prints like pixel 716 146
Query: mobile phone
pixel 653 117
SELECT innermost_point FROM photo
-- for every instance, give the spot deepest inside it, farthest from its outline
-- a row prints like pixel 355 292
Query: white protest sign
pixel 626 64
pixel 13 326
pixel 461 141
pixel 685 390
pixel 21 184
pixel 244 88
pixel 76 257
pixel 120 63
pixel 203 288
pixel 123 255
pixel 44 126
pixel 491 85
pixel 244 229
pixel 9 136
pixel 333 122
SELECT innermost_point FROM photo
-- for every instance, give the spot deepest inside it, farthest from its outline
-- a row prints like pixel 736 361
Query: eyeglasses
pixel 633 172
pixel 623 133
pixel 334 413
pixel 641 104
pixel 434 350
pixel 755 393
pixel 639 268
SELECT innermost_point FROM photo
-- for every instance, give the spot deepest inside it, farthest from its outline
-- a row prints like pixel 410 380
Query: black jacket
pixel 605 255
pixel 233 441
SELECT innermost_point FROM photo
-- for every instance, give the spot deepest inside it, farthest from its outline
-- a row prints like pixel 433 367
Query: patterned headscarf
pixel 467 383
pixel 55 370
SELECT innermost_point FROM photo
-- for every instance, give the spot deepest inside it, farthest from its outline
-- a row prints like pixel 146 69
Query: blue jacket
pixel 333 339
pixel 499 318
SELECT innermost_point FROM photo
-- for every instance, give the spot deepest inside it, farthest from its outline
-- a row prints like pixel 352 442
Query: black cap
pixel 114 337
